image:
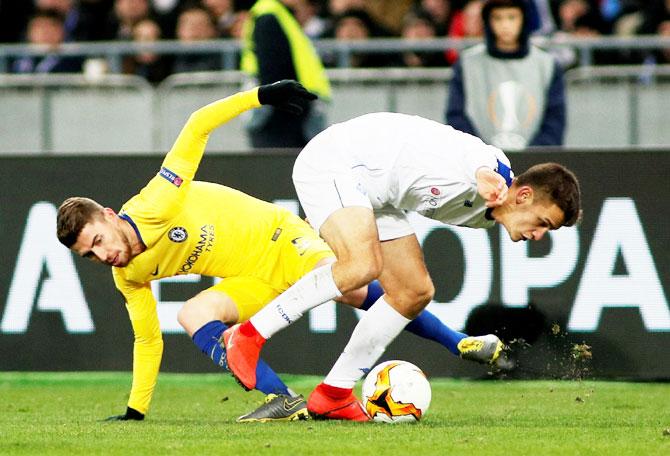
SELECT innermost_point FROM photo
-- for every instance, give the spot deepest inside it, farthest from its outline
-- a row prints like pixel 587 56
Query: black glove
pixel 287 95
pixel 131 414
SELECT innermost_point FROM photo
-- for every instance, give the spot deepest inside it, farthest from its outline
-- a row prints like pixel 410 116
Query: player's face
pixel 506 24
pixel 532 218
pixel 102 240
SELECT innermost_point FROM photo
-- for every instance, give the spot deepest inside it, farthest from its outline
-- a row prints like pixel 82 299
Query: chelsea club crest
pixel 178 234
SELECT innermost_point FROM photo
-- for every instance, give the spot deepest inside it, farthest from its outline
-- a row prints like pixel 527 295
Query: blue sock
pixel 207 340
pixel 426 325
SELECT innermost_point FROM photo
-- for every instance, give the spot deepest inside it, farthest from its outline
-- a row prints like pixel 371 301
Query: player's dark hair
pixel 73 214
pixel 557 183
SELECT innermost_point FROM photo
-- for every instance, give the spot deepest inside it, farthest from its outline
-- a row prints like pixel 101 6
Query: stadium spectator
pixel 545 20
pixel 81 20
pixel 151 66
pixel 337 7
pixel 223 12
pixel 358 25
pixel 389 13
pixel 385 15
pixel 507 91
pixel 575 16
pixel 656 12
pixel 275 48
pixel 440 12
pixel 196 24
pixel 418 25
pixel 307 13
pixel 251 245
pixel 46 28
pixel 655 19
pixel 237 29
pixel 663 56
pixel 629 21
pixel 581 19
pixel 466 23
pixel 124 16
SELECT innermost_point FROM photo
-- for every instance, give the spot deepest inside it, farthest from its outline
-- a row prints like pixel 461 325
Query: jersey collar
pixel 127 218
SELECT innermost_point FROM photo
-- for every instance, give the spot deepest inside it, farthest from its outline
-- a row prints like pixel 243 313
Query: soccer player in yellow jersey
pixel 177 225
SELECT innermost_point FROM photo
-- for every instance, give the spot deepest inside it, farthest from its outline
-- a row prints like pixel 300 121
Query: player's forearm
pixel 186 153
pixel 146 364
pixel 215 114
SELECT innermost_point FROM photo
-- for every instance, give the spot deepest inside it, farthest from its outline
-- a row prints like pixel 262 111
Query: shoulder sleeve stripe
pixel 506 172
pixel 170 176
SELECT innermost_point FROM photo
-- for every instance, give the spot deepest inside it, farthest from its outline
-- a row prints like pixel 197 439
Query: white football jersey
pixel 415 164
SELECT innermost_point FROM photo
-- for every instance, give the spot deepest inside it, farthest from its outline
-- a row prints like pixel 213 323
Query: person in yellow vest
pixel 275 48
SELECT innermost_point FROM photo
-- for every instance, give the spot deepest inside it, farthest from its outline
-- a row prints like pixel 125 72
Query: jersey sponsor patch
pixel 275 236
pixel 178 234
pixel 170 176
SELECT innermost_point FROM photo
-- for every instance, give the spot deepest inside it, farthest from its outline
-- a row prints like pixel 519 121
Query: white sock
pixel 376 330
pixel 313 289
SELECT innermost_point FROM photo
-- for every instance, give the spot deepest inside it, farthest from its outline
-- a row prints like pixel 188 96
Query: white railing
pixel 229 49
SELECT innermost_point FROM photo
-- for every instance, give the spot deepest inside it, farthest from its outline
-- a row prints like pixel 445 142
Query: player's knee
pixel 426 293
pixel 188 314
pixel 183 315
pixel 419 296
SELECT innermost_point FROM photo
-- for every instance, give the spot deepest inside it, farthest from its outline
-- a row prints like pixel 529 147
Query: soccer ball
pixel 396 391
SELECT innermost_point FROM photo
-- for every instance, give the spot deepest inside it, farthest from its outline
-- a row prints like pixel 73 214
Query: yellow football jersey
pixel 203 228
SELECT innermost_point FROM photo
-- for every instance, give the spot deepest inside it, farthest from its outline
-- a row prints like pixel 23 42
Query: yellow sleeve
pixel 186 153
pixel 148 346
pixel 164 195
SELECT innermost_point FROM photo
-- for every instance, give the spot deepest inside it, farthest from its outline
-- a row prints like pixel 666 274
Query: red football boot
pixel 243 348
pixel 331 403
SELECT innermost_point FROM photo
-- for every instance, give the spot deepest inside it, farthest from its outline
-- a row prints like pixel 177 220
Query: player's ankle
pixel 334 392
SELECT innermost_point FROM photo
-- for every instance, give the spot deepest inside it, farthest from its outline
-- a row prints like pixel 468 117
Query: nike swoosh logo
pixel 288 405
pixel 229 345
pixel 155 272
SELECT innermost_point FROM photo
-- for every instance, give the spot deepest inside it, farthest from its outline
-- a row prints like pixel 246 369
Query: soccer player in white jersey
pixel 356 181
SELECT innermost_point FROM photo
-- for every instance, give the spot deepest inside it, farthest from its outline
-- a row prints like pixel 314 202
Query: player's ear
pixel 108 213
pixel 524 195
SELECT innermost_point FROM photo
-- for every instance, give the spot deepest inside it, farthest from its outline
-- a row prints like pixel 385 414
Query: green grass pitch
pixel 59 413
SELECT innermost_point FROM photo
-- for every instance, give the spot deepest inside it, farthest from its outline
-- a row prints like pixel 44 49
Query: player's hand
pixel 491 186
pixel 130 415
pixel 287 95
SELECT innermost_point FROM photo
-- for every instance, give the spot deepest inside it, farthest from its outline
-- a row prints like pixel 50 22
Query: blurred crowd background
pixel 51 22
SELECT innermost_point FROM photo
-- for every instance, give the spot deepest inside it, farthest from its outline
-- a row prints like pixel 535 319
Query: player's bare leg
pixel 205 317
pixel 352 233
pixel 408 290
pixel 206 306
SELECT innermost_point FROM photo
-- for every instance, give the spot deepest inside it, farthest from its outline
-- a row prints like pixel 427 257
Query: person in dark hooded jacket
pixel 507 91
